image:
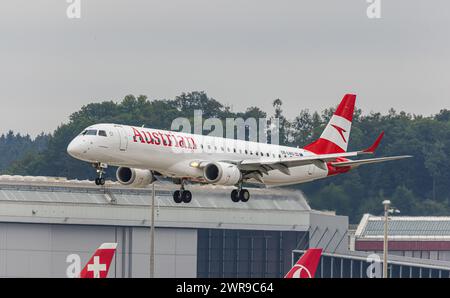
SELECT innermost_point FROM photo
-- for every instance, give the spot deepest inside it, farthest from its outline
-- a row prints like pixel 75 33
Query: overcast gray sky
pixel 241 52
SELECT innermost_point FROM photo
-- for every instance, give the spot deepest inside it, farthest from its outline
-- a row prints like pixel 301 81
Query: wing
pixel 355 163
pixel 256 168
pixel 319 160
pixel 283 164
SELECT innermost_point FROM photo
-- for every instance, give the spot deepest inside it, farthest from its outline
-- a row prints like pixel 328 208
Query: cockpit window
pixel 89 132
pixel 102 133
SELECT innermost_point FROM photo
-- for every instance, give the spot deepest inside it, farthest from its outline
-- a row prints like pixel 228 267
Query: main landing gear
pixel 182 195
pixel 240 194
pixel 100 167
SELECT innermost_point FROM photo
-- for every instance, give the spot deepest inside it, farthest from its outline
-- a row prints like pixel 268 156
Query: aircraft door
pixel 123 138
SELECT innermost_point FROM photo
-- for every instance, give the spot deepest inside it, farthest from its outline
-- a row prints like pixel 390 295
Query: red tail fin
pixel 306 265
pixel 334 138
pixel 98 265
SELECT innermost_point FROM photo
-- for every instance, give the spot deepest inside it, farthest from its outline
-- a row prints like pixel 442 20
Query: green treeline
pixel 417 186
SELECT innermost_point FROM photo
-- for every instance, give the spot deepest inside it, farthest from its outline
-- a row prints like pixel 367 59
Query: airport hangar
pixel 43 220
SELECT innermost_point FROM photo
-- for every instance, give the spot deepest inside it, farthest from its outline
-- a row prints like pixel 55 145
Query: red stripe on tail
pixel 346 107
pixel 306 265
pixel 323 146
pixel 334 138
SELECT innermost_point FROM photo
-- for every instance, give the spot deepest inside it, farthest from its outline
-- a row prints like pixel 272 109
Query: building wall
pixel 421 254
pixel 329 232
pixel 331 266
pixel 246 253
pixel 40 250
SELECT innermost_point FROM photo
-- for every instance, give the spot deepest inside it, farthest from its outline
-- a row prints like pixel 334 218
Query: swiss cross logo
pixel 96 267
pixel 340 131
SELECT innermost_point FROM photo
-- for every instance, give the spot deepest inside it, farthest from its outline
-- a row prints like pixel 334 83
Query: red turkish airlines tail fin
pixel 98 265
pixel 306 266
pixel 334 138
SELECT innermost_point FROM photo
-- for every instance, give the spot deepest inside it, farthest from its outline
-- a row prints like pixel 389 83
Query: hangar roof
pixel 58 200
pixel 405 227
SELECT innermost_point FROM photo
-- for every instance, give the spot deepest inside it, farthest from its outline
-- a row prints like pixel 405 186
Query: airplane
pixel 144 155
pixel 306 266
pixel 98 265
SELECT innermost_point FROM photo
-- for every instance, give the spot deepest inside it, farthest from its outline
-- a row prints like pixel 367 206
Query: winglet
pixel 374 146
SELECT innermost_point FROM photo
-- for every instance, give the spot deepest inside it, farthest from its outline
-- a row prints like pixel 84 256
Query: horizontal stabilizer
pixel 355 163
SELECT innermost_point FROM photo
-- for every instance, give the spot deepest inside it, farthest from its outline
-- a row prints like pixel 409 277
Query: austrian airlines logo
pixel 300 272
pixel 340 131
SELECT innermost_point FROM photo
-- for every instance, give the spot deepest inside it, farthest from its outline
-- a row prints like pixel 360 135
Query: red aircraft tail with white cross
pixel 306 266
pixel 98 265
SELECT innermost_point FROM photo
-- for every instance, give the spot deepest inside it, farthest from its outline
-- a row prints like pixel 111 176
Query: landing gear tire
pixel 177 197
pixel 244 195
pixel 186 196
pixel 235 195
pixel 100 167
pixel 240 195
pixel 100 181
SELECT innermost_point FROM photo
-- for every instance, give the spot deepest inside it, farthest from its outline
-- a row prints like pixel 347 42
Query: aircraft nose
pixel 75 148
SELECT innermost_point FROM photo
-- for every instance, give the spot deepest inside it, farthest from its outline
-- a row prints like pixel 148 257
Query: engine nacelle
pixel 134 177
pixel 221 173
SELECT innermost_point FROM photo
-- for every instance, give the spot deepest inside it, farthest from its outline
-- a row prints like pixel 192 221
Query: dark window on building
pixel 245 253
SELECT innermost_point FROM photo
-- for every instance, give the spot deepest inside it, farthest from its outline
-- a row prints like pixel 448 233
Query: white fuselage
pixel 174 153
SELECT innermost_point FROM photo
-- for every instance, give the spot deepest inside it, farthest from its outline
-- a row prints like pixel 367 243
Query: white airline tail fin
pixel 334 138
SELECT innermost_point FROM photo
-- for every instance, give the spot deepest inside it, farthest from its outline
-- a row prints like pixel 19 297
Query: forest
pixel 416 186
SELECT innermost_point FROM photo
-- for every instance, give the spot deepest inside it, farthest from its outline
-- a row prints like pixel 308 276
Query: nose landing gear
pixel 100 167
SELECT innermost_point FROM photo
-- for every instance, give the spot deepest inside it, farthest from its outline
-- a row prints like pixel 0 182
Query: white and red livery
pixel 98 265
pixel 144 154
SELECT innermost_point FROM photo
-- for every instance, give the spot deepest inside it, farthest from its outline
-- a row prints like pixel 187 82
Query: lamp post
pixel 387 210
pixel 152 235
pixel 386 204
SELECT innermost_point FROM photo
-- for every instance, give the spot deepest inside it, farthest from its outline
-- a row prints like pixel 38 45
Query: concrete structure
pixel 418 237
pixel 355 264
pixel 43 220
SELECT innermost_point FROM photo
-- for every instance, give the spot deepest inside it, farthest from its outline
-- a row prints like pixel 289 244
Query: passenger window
pixel 102 133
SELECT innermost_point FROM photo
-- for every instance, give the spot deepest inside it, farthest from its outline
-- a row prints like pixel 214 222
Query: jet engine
pixel 134 177
pixel 221 173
